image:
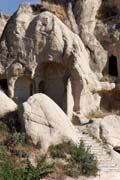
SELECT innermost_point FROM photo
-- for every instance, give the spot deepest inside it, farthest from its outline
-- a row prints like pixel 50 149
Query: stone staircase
pixel 104 159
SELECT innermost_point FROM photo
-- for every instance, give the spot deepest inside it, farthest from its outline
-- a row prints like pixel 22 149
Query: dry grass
pixel 101 113
pixel 4 133
pixel 97 114
pixel 58 10
pixel 108 78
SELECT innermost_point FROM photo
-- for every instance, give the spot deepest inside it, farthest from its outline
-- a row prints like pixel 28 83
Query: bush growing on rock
pixel 79 159
pixel 10 171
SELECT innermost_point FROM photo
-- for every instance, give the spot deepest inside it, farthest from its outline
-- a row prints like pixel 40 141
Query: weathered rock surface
pixel 85 13
pixel 38 46
pixel 3 21
pixel 108 30
pixel 7 105
pixel 107 129
pixel 84 22
pixel 45 122
pixel 110 130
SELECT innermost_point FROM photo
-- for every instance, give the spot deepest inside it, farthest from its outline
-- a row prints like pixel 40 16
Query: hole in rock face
pixel 112 66
pixel 108 9
pixel 117 149
pixel 38 8
pixel 22 89
pixel 42 87
pixel 4 85
pixel 54 82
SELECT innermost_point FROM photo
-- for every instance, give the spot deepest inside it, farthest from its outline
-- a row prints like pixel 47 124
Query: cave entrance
pixel 4 85
pixel 22 90
pixel 112 66
pixel 54 83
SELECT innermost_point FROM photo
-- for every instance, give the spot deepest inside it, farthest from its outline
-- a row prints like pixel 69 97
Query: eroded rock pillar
pixel 85 13
pixel 77 86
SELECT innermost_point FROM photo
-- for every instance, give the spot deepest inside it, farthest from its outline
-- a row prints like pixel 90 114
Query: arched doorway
pixel 112 66
pixel 22 90
pixel 54 83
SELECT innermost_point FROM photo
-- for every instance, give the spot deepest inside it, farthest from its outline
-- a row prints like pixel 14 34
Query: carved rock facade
pixel 39 53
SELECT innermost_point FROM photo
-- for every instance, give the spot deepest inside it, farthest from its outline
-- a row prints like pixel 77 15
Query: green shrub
pixel 10 171
pixel 96 114
pixel 79 160
pixel 15 138
pixel 4 133
pixel 41 170
pixel 13 123
pixel 60 150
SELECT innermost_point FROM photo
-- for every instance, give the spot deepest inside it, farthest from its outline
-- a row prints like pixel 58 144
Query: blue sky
pixel 10 6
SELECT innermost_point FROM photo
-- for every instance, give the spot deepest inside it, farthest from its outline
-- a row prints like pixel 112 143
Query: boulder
pixel 110 128
pixel 106 129
pixel 45 122
pixel 7 105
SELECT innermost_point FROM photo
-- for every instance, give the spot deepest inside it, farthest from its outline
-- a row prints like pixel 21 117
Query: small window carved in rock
pixel 117 149
pixel 4 85
pixel 112 66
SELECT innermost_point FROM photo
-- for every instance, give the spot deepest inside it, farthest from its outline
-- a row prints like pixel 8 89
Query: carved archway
pixel 53 78
pixel 22 89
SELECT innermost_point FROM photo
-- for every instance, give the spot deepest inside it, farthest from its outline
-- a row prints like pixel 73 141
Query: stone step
pixel 87 139
pixel 106 166
pixel 100 160
pixel 105 161
pixel 97 150
pixel 92 145
pixel 100 154
pixel 110 169
pixel 110 165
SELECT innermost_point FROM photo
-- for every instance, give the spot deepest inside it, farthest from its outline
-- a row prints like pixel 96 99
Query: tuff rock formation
pixel 3 21
pixel 63 49
pixel 108 29
pixel 106 130
pixel 45 123
pixel 83 14
pixel 7 105
pixel 39 53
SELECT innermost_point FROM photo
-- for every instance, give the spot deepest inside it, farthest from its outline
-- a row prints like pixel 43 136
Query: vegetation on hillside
pixel 9 169
pixel 62 159
pixel 79 160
